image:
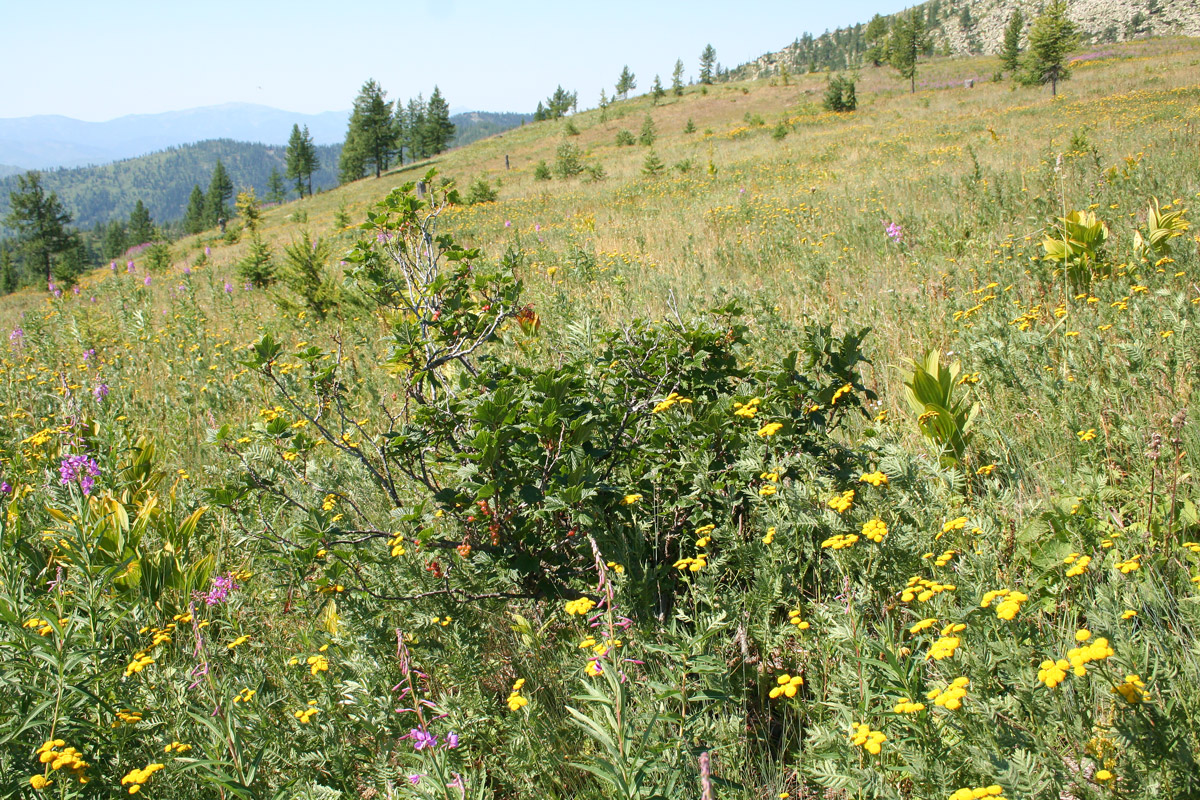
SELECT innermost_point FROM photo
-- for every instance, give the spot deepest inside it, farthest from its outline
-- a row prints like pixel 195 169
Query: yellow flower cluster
pixel 318 664
pixel 305 715
pixel 139 663
pixel 770 429
pixel 137 777
pixel 127 717
pixel 1008 607
pixel 1129 565
pixel 840 541
pixel 1078 564
pixel 943 559
pixel 787 686
pixel 876 478
pixel 875 530
pixel 43 626
pixel 1052 673
pixel 922 589
pixel 943 648
pixel 978 793
pixel 396 543
pixel 56 753
pixel 770 536
pixel 952 696
pixel 956 524
pixel 1080 657
pixel 630 499
pixel 670 400
pixel 906 706
pixel 515 701
pixel 245 695
pixel 794 619
pixel 1133 689
pixel 867 739
pixel 923 625
pixel 748 410
pixel 693 564
pixel 840 393
pixel 237 642
pixel 1086 435
pixel 704 532
pixel 579 607
pixel 841 502
pixel 177 748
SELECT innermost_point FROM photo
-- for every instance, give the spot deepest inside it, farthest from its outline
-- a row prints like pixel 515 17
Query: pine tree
pixel 906 43
pixel 352 161
pixel 141 227
pixel 115 241
pixel 371 128
pixel 1010 54
pixel 193 218
pixel 40 222
pixel 626 82
pixel 604 102
pixel 1051 38
pixel 216 200
pixel 690 127
pixel 648 133
pixel 8 272
pixel 707 58
pixel 400 130
pixel 414 141
pixel 677 78
pixel 653 165
pixel 439 130
pixel 657 91
pixel 276 191
pixel 301 160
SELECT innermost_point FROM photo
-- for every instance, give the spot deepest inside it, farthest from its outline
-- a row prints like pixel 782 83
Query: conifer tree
pixel 648 133
pixel 371 130
pixel 193 218
pixel 415 121
pixel 40 222
pixel 876 38
pixel 652 166
pixel 400 132
pixel 677 78
pixel 438 129
pixel 216 200
pixel 114 242
pixel 625 83
pixel 141 227
pixel 276 191
pixel 707 58
pixel 1051 38
pixel 352 161
pixel 8 272
pixel 907 42
pixel 301 160
pixel 657 92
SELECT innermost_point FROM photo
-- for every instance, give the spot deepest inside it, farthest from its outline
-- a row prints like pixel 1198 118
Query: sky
pixel 100 60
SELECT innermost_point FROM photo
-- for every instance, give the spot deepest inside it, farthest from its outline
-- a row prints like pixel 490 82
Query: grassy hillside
pixel 635 502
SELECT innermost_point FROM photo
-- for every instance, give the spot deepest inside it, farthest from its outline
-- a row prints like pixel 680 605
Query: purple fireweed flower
pixel 147 281
pixel 422 739
pixel 451 741
pixel 50 286
pixel 89 354
pixel 5 487
pixel 17 337
pixel 187 270
pixel 414 779
pixel 508 223
pixel 79 468
pixel 895 232
pixel 100 392
pixel 222 585
pixel 76 290
pixel 112 265
pixel 228 287
pixel 247 287
pixel 208 251
pixel 129 267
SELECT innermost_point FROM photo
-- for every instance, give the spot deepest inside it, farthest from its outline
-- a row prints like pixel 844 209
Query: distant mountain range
pixel 49 142
pixel 163 179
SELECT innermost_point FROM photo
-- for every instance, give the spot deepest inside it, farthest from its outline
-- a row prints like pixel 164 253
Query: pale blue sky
pixel 98 60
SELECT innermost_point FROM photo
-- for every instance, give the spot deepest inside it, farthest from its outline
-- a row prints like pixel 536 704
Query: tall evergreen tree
pixel 371 127
pixel 8 272
pixel 276 191
pixel 141 227
pixel 707 59
pixel 193 218
pixel 40 222
pixel 657 92
pixel 906 44
pixel 1010 54
pixel 352 161
pixel 301 160
pixel 876 39
pixel 438 129
pixel 677 78
pixel 115 241
pixel 216 200
pixel 415 115
pixel 400 126
pixel 626 82
pixel 1051 38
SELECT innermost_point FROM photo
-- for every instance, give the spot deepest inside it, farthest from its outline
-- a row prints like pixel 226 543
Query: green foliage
pixel 1051 39
pixel 626 82
pixel 652 165
pixel 568 160
pixel 481 192
pixel 1078 246
pixel 276 191
pixel 257 266
pixel 1010 54
pixel 341 217
pixel 708 58
pixel 8 271
pixel 657 92
pixel 194 219
pixel 649 132
pixel 301 161
pixel 690 127
pixel 541 171
pixel 906 43
pixel 41 225
pixel 141 226
pixel 1161 228
pixel 216 199
pixel 948 421
pixel 840 94
pixel 371 138
pixel 569 129
pixel 158 257
pixel 557 105
pixel 677 78
pixel 249 209
pixel 625 138
pixel 306 272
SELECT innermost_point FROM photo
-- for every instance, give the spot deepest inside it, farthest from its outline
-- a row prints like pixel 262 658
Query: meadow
pixel 851 455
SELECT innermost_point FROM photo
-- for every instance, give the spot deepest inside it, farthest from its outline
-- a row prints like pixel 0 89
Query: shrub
pixel 305 271
pixel 481 192
pixel 258 265
pixel 625 138
pixel 649 133
pixel 652 166
pixel 568 160
pixel 541 171
pixel 158 257
pixel 840 94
